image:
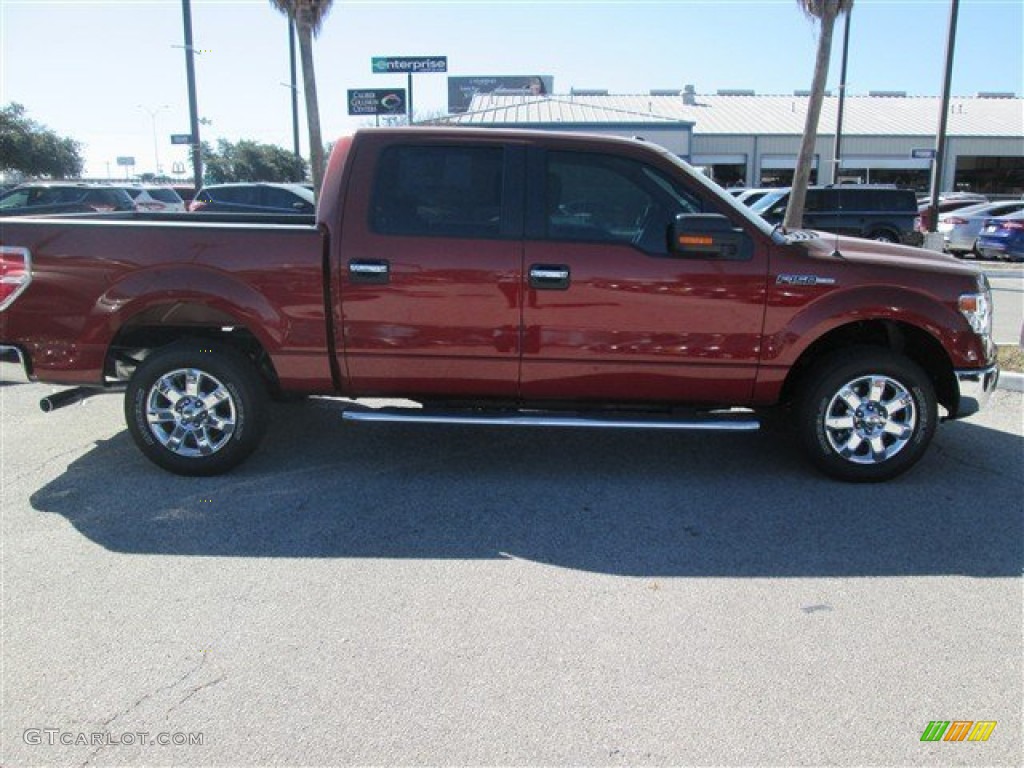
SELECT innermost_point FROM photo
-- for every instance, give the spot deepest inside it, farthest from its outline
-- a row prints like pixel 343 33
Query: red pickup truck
pixel 500 277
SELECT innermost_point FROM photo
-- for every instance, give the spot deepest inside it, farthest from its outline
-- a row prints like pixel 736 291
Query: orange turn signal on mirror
pixel 696 240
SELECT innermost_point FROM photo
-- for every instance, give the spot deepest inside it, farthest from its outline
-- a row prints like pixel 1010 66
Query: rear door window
pixel 439 190
pixel 235 195
pixel 282 199
pixel 819 200
pixel 16 199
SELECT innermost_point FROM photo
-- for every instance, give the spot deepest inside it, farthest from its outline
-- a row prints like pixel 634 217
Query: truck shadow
pixel 626 503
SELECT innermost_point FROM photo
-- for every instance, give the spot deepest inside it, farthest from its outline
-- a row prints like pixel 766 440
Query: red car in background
pixel 947 203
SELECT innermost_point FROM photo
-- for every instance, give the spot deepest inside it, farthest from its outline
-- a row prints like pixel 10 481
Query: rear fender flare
pixel 186 295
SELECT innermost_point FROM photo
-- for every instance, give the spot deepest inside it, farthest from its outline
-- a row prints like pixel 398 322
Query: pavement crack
pixel 146 697
pixel 196 689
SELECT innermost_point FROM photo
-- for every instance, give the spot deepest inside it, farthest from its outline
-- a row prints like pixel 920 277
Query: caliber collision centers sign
pixel 411 65
pixel 388 101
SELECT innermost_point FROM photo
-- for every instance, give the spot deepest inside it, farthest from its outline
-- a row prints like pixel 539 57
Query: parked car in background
pixel 186 192
pixel 38 198
pixel 259 198
pixel 953 201
pixel 960 228
pixel 1003 238
pixel 886 214
pixel 156 199
pixel 974 197
pixel 751 196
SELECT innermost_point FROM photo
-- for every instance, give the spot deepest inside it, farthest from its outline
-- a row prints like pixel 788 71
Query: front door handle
pixel 369 271
pixel 549 277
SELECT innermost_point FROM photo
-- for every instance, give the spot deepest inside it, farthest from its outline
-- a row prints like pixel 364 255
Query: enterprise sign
pixel 390 65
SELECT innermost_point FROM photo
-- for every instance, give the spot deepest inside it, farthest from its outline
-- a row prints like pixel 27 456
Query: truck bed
pixel 98 276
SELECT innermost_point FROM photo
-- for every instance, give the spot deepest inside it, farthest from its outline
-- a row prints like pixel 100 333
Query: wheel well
pixel 137 340
pixel 884 229
pixel 901 338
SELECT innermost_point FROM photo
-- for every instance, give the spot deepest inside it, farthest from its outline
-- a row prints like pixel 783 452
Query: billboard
pixel 461 90
pixel 377 101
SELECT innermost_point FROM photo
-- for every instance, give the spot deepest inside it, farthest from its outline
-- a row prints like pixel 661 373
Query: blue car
pixel 1003 237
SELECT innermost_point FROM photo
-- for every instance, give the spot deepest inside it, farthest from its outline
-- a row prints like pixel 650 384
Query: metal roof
pixel 762 115
pixel 519 109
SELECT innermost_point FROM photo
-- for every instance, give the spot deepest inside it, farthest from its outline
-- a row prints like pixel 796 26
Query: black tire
pixel 882 425
pixel 196 408
pixel 884 236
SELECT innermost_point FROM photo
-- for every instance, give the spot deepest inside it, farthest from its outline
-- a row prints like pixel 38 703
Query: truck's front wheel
pixel 866 414
pixel 196 408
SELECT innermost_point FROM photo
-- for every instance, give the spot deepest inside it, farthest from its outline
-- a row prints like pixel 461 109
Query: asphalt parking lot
pixel 394 594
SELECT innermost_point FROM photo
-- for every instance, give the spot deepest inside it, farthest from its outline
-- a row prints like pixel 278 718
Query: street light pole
pixel 190 74
pixel 153 112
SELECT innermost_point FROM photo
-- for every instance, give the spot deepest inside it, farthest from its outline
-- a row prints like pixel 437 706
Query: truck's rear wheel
pixel 866 414
pixel 196 408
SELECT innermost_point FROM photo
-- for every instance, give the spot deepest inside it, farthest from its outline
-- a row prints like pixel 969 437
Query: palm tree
pixel 308 16
pixel 826 11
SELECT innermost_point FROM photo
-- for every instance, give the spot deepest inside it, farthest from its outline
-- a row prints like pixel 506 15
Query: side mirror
pixel 708 236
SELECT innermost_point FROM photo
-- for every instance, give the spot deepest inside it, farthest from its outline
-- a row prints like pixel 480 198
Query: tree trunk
pixel 801 176
pixel 316 144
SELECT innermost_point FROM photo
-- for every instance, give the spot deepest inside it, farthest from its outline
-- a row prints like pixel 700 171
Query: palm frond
pixel 310 12
pixel 815 9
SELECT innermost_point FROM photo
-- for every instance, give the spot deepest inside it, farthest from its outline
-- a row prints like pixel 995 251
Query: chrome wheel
pixel 190 412
pixel 870 419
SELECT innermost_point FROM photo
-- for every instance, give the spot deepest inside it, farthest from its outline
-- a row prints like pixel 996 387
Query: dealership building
pixel 747 139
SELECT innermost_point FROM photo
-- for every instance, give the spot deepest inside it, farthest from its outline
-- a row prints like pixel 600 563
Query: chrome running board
pixel 713 421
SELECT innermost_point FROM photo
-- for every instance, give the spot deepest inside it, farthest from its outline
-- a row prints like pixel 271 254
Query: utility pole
pixel 940 139
pixel 190 73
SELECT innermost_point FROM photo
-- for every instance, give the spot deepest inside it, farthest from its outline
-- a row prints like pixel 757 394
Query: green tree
pixel 31 149
pixel 308 16
pixel 251 161
pixel 826 12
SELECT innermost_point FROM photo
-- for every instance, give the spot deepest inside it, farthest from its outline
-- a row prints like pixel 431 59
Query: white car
pixel 156 199
pixel 960 228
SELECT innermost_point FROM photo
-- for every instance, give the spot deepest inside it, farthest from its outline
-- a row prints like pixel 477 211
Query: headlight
pixel 977 308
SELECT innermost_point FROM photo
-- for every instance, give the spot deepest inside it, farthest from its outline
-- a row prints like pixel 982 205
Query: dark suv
pixel 259 197
pixel 57 197
pixel 886 214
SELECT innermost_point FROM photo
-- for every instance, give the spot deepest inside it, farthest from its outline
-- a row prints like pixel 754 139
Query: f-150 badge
pixel 804 280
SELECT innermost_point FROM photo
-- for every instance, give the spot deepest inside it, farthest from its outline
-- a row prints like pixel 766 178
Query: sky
pixel 111 73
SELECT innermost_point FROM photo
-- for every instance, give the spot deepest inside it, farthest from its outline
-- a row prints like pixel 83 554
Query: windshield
pixel 766 202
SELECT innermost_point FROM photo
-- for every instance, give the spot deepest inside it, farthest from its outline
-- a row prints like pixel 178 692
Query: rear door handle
pixel 369 271
pixel 549 277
